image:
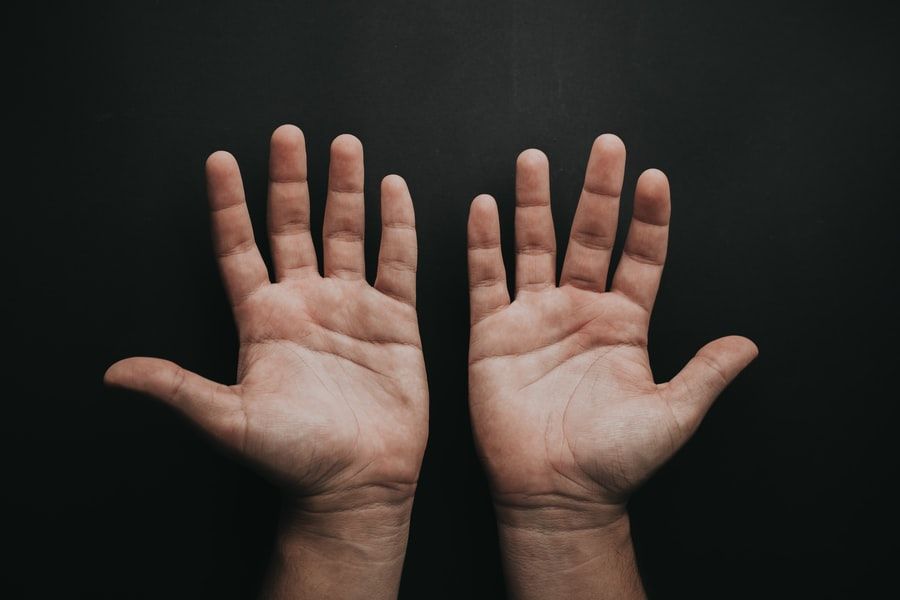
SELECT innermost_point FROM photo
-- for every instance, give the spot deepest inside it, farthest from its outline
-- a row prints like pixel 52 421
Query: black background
pixel 777 125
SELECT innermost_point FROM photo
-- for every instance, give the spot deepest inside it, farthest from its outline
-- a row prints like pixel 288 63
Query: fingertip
pixel 287 135
pixel 287 155
pixel 396 203
pixel 220 161
pixel 484 220
pixel 605 171
pixel 750 348
pixel 652 202
pixel 735 350
pixel 121 372
pixel 112 375
pixel 532 158
pixel 483 205
pixel 654 182
pixel 346 145
pixel 393 184
pixel 608 143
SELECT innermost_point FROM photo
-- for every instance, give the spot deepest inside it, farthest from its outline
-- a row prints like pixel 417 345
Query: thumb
pixel 706 375
pixel 216 408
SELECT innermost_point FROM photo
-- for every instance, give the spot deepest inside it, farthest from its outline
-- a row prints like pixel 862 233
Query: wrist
pixel 562 552
pixel 353 524
pixel 557 512
pixel 340 546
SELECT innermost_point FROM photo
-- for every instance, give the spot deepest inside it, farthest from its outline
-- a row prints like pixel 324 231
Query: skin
pixel 331 398
pixel 567 417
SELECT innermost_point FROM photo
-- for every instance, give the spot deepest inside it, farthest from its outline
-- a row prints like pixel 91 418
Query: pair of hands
pixel 332 398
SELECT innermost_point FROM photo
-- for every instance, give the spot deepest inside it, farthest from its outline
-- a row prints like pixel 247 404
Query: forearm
pixel 353 553
pixel 551 553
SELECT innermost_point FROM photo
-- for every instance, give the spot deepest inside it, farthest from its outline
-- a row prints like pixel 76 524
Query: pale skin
pixel 567 417
pixel 331 398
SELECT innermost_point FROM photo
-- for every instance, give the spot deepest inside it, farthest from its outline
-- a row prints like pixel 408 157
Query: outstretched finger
pixel 214 407
pixel 535 238
pixel 345 211
pixel 641 266
pixel 706 375
pixel 487 275
pixel 293 253
pixel 596 218
pixel 397 256
pixel 243 269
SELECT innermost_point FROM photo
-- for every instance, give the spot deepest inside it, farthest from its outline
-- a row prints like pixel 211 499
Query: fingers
pixel 397 256
pixel 640 268
pixel 214 407
pixel 535 238
pixel 596 218
pixel 701 381
pixel 243 269
pixel 487 276
pixel 293 253
pixel 344 211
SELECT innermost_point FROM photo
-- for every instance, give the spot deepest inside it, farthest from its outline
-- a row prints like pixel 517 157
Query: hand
pixel 331 397
pixel 567 417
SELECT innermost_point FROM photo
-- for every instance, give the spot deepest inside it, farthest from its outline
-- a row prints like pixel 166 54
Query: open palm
pixel 563 401
pixel 331 396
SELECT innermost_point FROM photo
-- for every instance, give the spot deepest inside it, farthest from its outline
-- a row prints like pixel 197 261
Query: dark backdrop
pixel 777 125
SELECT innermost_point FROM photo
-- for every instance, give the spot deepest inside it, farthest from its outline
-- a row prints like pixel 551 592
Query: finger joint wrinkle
pixel 290 227
pixel 344 235
pixel 598 193
pixel 591 240
pixel 241 247
pixel 397 264
pixel 534 249
pixel 287 180
pixel 487 282
pixel 486 246
pixel 398 225
pixel 643 258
